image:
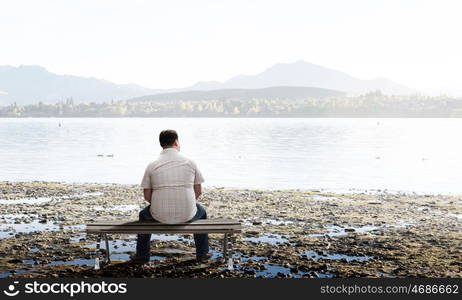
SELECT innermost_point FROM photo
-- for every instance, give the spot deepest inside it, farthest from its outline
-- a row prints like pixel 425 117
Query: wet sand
pixel 286 233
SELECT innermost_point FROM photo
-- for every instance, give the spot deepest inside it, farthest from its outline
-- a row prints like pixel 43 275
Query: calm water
pixel 422 155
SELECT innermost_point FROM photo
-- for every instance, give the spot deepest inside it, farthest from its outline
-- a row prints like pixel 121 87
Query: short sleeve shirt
pixel 171 178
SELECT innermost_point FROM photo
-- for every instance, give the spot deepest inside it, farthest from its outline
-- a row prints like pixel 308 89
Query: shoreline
pixel 350 191
pixel 287 233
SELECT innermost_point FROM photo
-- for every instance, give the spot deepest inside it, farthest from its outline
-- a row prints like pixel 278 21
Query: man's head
pixel 169 139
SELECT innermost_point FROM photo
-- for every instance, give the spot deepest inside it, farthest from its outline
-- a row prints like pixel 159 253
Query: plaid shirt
pixel 171 178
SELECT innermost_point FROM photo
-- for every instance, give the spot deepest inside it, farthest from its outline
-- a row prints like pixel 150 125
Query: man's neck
pixel 167 148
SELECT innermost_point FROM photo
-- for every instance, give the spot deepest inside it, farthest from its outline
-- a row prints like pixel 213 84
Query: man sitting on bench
pixel 171 184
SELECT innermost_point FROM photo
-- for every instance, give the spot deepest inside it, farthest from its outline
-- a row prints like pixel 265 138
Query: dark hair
pixel 167 137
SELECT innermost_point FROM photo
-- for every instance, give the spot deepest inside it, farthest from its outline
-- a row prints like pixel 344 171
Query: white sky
pixel 166 44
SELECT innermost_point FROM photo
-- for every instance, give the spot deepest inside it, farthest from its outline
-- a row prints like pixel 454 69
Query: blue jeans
pixel 143 240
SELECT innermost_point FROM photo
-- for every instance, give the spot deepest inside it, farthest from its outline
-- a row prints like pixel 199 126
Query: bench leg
pixel 97 254
pixel 225 247
pixel 108 253
pixel 230 258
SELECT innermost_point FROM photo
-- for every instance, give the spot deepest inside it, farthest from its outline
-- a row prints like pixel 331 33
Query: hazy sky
pixel 165 44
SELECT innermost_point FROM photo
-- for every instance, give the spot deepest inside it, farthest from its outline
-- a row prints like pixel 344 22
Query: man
pixel 171 184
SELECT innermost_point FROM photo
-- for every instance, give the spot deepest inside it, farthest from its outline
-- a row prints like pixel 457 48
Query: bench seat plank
pixel 151 223
pixel 199 226
pixel 165 232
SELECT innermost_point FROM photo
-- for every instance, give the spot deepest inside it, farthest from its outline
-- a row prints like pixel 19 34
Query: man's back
pixel 172 177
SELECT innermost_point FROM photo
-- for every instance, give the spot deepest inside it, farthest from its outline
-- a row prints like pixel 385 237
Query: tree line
pixel 373 104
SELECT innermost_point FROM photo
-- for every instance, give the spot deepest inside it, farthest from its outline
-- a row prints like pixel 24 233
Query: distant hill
pixel 31 84
pixel 270 93
pixel 302 73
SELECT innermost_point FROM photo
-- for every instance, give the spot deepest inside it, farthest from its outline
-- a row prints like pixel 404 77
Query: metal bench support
pixel 108 252
pixel 227 246
pixel 107 255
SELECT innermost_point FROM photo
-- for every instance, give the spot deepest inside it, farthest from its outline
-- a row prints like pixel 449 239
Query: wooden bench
pixel 225 226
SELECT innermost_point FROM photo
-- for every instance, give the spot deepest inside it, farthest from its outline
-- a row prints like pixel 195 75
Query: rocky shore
pixel 286 233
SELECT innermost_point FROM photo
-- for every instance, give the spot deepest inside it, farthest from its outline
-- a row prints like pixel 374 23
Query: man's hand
pixel 147 195
pixel 197 190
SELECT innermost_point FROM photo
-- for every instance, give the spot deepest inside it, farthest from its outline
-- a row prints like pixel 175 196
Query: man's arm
pixel 198 179
pixel 146 184
pixel 197 190
pixel 147 195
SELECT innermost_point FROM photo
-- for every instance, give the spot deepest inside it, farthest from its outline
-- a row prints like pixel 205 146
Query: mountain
pixel 302 73
pixel 31 84
pixel 270 93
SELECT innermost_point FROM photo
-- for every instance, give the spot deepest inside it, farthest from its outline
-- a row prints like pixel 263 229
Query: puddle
pixel 123 246
pixel 170 237
pixel 237 255
pixel 386 275
pixel 174 251
pixel 11 228
pixel 12 218
pixel 126 207
pixel 116 246
pixel 16 272
pixel 438 212
pixel 246 222
pixel 276 222
pixel 335 230
pixel 251 258
pixel 458 216
pixel 42 200
pixel 424 208
pixel 38 200
pixel 82 195
pixel 91 261
pixel 75 262
pixel 310 254
pixel 78 238
pixel 258 222
pixel 400 224
pixel 273 239
pixel 323 197
pixel 216 254
pixel 273 270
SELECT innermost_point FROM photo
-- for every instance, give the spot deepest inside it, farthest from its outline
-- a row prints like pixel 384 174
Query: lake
pixel 421 155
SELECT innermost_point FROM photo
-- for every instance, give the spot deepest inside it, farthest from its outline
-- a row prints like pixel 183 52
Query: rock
pixel 252 233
